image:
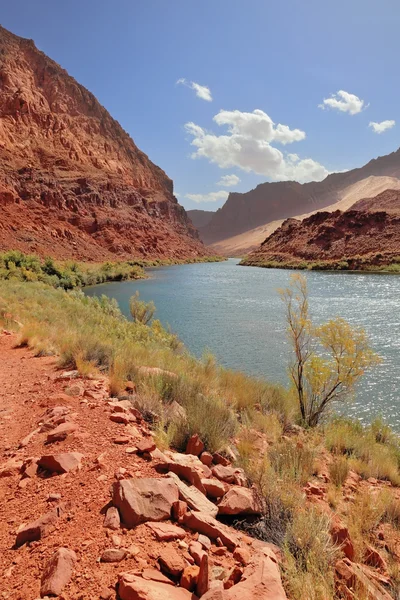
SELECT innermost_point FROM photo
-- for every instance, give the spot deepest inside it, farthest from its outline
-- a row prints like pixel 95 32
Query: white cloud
pixel 210 197
pixel 382 126
pixel 247 145
pixel 344 102
pixel 202 91
pixel 229 180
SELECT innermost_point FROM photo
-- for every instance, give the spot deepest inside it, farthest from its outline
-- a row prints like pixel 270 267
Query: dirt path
pixel 28 387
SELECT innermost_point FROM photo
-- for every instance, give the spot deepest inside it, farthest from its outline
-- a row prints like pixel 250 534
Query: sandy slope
pixel 243 243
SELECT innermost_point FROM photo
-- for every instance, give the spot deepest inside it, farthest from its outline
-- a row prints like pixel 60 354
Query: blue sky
pixel 281 57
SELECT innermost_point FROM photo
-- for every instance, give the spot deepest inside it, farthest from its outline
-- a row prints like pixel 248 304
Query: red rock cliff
pixel 72 181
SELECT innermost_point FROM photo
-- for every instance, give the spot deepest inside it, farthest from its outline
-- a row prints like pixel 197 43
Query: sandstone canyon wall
pixel 73 184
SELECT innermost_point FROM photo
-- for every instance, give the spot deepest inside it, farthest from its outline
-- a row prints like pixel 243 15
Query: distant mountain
pixel 200 218
pixel 73 184
pixel 276 201
pixel 365 236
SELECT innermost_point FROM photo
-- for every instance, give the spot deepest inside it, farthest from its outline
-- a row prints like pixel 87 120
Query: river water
pixel 237 314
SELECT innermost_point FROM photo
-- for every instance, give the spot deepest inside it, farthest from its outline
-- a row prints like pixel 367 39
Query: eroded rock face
pixel 81 188
pixel 58 572
pixel 146 499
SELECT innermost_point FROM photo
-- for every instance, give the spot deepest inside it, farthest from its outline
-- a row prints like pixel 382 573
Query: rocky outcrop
pixel 354 239
pixel 73 184
pixel 269 202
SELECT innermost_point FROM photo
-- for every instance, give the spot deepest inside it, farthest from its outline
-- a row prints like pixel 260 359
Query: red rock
pixel 122 418
pixel 223 473
pixel 11 467
pixel 112 520
pixel 122 439
pixel 218 459
pixel 145 445
pixel 147 499
pixel 242 556
pixel 132 587
pixel 203 579
pixel 261 580
pixel 374 558
pixel 113 555
pixel 23 443
pixel 189 578
pixel 166 532
pixel 179 510
pixel 353 577
pixel 187 467
pixel 206 458
pixel 207 525
pixel 154 575
pixel 204 541
pixel 340 536
pixel 311 489
pixel 171 562
pixel 234 577
pixel 38 529
pixel 58 572
pixel 239 501
pixel 194 498
pixel 61 463
pixel 196 550
pixel 30 467
pixel 194 446
pixel 214 488
pixel 61 432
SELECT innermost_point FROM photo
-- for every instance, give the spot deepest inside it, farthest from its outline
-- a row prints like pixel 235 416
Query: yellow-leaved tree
pixel 328 360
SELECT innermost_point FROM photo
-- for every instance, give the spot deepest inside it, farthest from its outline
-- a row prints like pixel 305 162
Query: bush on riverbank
pixel 16 266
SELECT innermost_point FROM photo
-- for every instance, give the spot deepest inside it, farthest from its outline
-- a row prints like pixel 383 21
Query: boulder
pixel 187 467
pixel 240 501
pixel 194 446
pixel 214 488
pixel 223 473
pixel 132 587
pixel 207 525
pixel 112 520
pixel 206 458
pixel 261 580
pixel 147 499
pixel 61 463
pixel 123 418
pixel 165 532
pixel 58 572
pixel 145 445
pixel 61 432
pixel 171 562
pixel 38 529
pixel 113 555
pixel 218 459
pixel 194 498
